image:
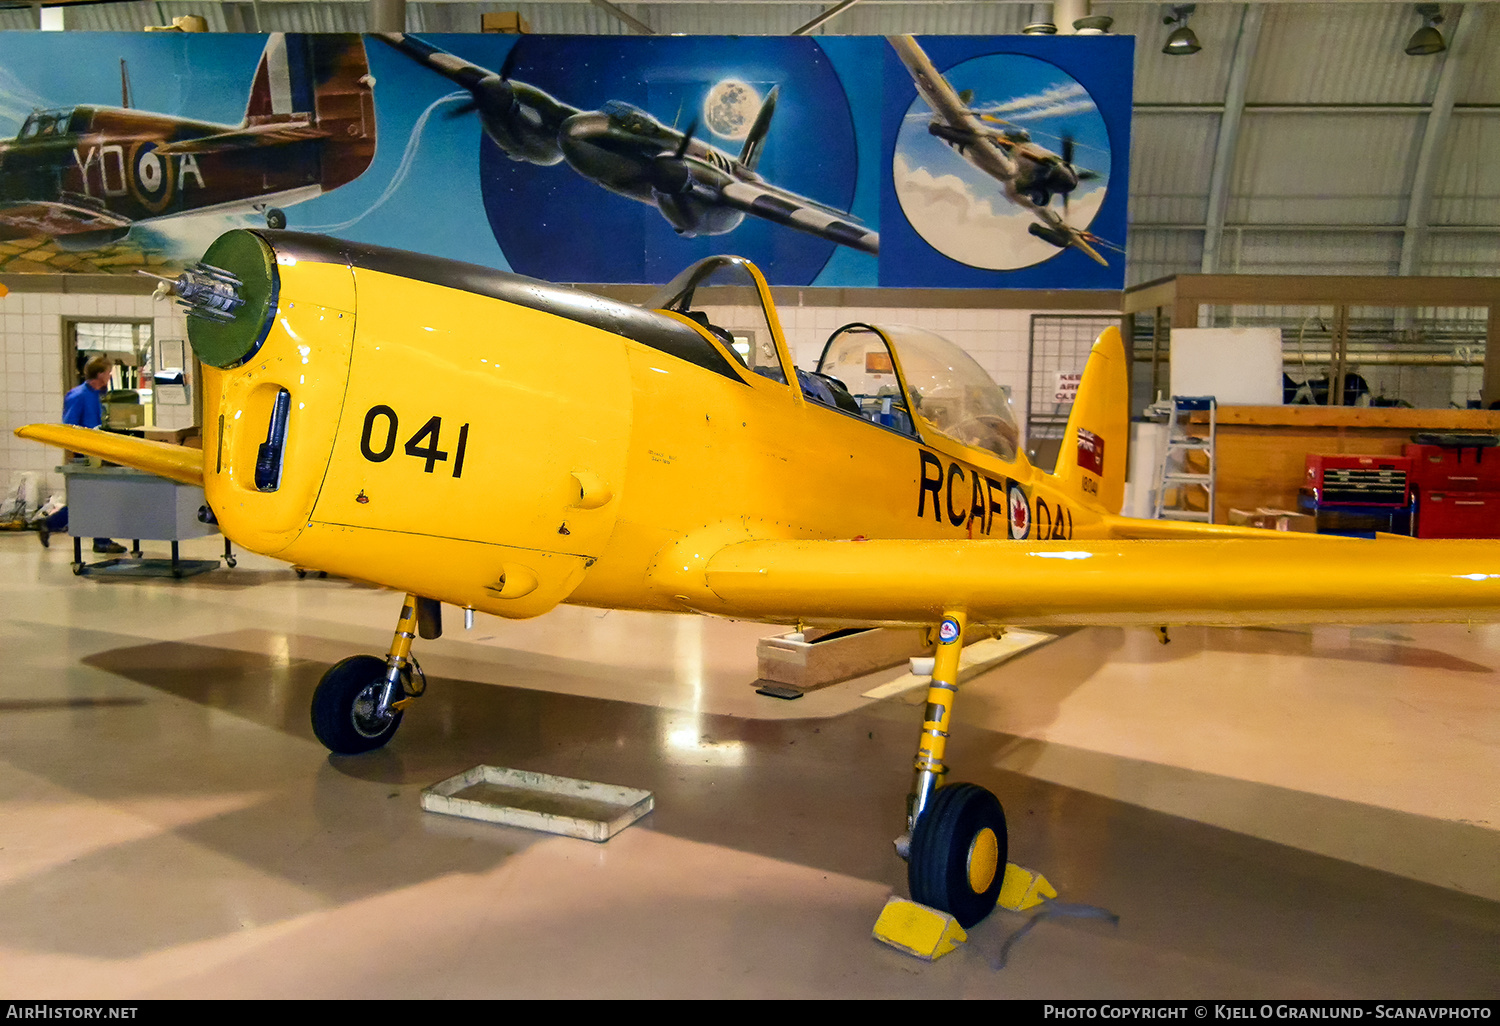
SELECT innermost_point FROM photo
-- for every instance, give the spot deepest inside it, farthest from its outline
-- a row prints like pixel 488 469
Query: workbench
pixel 1262 450
pixel 119 502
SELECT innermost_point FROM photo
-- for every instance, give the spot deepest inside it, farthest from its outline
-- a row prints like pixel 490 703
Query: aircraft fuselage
pixel 506 445
pixel 643 164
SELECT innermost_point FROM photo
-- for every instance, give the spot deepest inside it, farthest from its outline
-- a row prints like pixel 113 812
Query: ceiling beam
pixel 828 15
pixel 629 19
pixel 1229 134
pixel 1455 62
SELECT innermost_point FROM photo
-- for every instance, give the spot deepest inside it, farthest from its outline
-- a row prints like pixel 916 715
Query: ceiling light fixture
pixel 1182 41
pixel 1427 39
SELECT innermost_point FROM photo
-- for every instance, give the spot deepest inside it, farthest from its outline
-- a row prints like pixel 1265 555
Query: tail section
pixel 755 141
pixel 321 80
pixel 1091 463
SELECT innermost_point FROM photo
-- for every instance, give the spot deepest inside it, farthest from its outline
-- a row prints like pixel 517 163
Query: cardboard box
pixel 503 21
pixel 1274 520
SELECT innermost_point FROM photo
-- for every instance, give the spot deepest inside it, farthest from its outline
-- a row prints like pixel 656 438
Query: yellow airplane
pixel 471 437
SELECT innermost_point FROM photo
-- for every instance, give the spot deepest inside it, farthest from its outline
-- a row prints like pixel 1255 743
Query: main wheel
pixel 275 218
pixel 958 853
pixel 343 707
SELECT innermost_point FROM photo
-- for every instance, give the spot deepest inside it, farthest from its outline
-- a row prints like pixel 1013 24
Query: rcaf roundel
pixel 1020 512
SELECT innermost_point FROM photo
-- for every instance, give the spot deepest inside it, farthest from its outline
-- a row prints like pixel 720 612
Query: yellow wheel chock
pixel 929 934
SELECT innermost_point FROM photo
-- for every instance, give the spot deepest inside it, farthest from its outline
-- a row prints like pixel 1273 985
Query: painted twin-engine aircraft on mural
pixel 84 175
pixel 699 189
pixel 683 463
pixel 1031 175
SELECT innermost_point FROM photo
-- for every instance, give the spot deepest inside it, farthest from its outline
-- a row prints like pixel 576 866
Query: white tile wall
pixel 31 342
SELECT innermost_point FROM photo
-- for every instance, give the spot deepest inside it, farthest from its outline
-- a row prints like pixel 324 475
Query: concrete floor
pixel 1272 813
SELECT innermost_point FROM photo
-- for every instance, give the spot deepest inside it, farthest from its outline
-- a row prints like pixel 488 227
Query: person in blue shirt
pixel 84 406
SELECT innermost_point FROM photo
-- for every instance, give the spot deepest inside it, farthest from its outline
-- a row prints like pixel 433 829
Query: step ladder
pixel 1177 475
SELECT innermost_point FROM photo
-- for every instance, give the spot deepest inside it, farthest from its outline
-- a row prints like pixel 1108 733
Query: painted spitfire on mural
pixel 699 188
pixel 683 463
pixel 84 175
pixel 1030 175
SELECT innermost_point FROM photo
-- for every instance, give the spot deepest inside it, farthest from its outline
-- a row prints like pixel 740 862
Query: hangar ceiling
pixel 1301 138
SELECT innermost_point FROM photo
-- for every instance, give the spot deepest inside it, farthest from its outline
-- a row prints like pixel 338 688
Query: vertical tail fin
pixel 755 141
pixel 324 80
pixel 1091 462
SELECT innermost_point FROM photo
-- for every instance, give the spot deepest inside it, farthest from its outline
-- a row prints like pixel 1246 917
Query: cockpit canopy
pixel 632 119
pixel 950 393
pixel 865 371
pixel 45 123
pixel 721 294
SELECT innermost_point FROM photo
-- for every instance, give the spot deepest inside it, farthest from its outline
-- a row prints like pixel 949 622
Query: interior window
pixel 720 294
pixel 857 362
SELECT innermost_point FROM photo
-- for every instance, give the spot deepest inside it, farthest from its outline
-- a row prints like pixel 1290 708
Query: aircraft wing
pixel 795 211
pixel 1235 581
pixel 245 138
pixel 41 217
pixel 947 105
pixel 449 65
pixel 176 462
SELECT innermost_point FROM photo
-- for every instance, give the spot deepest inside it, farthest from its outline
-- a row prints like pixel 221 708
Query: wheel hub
pixel 984 860
pixel 367 721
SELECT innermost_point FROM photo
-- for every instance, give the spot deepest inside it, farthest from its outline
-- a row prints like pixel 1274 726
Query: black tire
pixel 953 867
pixel 275 218
pixel 343 703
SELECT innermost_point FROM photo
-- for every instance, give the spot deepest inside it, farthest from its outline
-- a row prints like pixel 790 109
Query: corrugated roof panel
pixel 938 19
pixel 1481 82
pixel 1171 159
pixel 1156 253
pixel 721 19
pixel 1340 53
pixel 1324 168
pixel 556 19
pixel 1322 252
pixel 1459 253
pixel 1196 78
pixel 1467 187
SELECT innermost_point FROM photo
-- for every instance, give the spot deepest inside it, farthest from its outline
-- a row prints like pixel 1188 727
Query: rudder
pixel 1092 461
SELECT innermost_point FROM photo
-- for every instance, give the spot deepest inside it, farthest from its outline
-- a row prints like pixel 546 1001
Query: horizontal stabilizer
pixel 245 138
pixel 175 462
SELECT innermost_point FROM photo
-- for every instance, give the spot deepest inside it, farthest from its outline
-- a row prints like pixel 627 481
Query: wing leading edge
pixel 175 462
pixel 1224 582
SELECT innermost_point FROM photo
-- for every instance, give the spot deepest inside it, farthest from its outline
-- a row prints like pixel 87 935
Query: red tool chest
pixel 1457 488
pixel 1445 514
pixel 1468 469
pixel 1359 480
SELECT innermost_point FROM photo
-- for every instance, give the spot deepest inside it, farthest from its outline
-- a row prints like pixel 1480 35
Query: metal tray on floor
pixel 539 801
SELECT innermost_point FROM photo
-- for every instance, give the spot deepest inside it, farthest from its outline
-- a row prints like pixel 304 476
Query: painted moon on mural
pixel 960 210
pixel 730 108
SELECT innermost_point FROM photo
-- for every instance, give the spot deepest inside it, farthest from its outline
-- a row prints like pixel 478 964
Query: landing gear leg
pixel 360 700
pixel 956 842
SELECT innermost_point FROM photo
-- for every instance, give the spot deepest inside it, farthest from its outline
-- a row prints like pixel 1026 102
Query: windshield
pixel 950 392
pixel 953 394
pixel 721 295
